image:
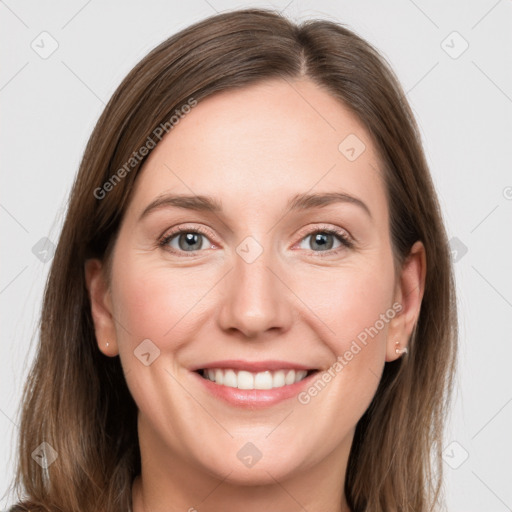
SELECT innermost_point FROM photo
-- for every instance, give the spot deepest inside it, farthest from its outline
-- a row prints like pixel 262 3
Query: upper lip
pixel 252 366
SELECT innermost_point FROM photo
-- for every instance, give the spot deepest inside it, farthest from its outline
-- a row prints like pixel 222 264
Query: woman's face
pixel 292 275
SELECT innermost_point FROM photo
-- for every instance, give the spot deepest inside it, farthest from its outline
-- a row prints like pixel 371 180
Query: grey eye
pixel 188 241
pixel 322 241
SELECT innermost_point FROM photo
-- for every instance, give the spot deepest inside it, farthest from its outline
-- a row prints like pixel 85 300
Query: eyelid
pixel 329 228
pixel 346 239
pixel 183 228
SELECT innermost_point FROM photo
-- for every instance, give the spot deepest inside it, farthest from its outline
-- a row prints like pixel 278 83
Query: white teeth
pixel 245 380
pixel 278 379
pixel 248 380
pixel 290 377
pixel 263 380
pixel 230 379
pixel 219 376
pixel 300 374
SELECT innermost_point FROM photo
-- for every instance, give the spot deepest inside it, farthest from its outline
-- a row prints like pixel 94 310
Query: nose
pixel 255 299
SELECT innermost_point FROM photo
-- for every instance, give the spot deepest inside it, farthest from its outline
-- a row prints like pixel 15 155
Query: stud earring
pixel 107 344
pixel 399 350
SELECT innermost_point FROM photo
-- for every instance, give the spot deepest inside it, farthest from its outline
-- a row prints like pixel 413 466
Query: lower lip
pixel 252 398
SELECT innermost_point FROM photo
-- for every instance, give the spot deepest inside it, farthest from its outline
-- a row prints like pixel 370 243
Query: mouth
pixel 242 379
pixel 253 384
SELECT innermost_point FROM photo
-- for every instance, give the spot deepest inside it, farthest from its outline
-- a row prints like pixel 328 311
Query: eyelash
pixel 343 237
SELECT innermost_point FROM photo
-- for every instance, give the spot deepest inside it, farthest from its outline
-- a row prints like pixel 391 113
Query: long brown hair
pixel 77 400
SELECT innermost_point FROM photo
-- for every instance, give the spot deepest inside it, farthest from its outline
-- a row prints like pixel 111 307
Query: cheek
pixel 357 314
pixel 364 301
pixel 350 301
pixel 353 307
pixel 156 302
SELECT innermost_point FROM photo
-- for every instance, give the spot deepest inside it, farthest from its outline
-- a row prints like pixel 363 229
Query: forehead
pixel 265 142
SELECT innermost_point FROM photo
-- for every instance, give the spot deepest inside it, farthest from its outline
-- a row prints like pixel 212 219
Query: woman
pixel 251 304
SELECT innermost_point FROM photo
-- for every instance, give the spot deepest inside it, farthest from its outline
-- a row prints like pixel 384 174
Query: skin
pixel 252 149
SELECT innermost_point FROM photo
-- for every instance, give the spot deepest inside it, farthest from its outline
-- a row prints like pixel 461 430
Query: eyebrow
pixel 210 204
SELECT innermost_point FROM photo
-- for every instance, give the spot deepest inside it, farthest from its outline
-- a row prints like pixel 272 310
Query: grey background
pixel 463 104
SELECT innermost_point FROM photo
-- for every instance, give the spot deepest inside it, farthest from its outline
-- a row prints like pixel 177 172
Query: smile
pixel 241 379
pixel 253 384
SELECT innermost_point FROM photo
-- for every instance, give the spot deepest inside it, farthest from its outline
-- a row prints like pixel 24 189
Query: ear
pixel 409 291
pixel 101 307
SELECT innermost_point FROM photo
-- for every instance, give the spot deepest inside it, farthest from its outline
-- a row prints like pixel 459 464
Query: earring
pixel 399 350
pixel 107 344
